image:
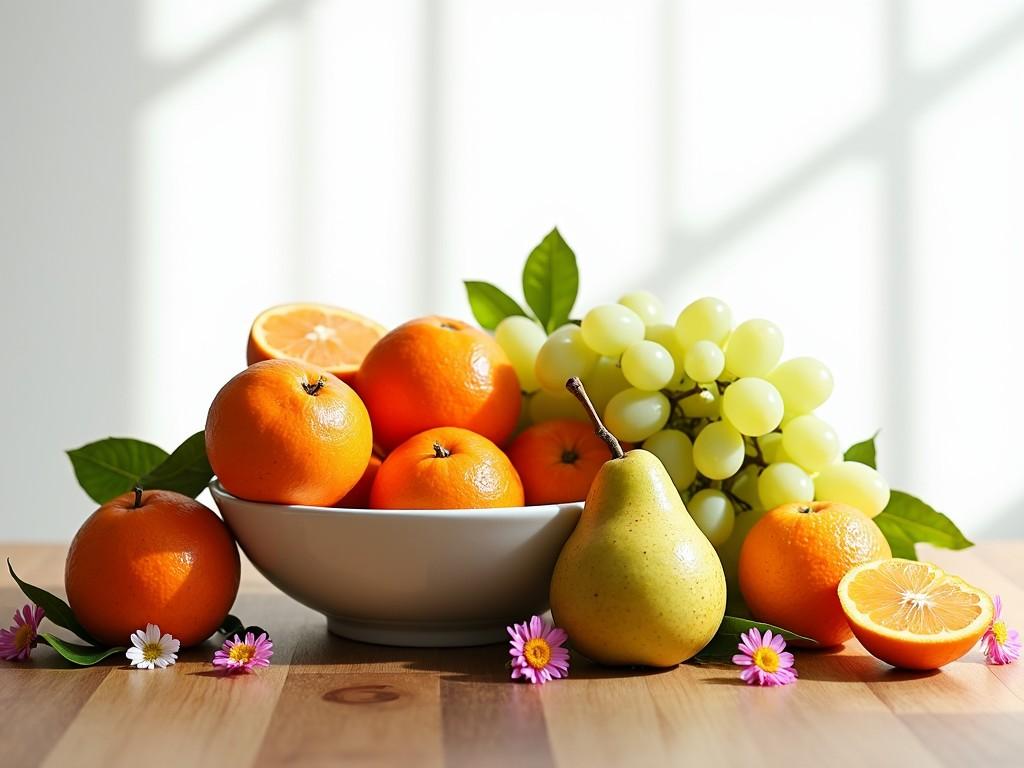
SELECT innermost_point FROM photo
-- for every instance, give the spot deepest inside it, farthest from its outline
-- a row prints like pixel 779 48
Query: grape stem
pixel 575 386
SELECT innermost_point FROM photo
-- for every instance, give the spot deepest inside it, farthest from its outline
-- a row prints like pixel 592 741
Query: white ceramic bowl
pixel 406 577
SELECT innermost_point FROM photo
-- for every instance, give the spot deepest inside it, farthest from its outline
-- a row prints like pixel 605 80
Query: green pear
pixel 637 583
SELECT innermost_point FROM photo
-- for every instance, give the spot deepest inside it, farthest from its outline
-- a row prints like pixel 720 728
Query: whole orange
pixel 438 372
pixel 153 557
pixel 446 468
pixel 792 562
pixel 557 460
pixel 289 433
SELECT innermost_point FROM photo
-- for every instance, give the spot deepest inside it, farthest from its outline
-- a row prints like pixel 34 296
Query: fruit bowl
pixel 429 578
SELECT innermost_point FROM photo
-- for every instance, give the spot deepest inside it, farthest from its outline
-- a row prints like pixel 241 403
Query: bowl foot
pixel 418 634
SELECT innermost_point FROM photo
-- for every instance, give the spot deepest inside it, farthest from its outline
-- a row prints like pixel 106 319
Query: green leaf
pixel 186 471
pixel 107 468
pixel 231 626
pixel 899 542
pixel 724 644
pixel 908 519
pixel 56 609
pixel 490 304
pixel 863 452
pixel 82 655
pixel 551 281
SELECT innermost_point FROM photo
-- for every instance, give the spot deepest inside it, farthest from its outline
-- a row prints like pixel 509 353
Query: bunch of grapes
pixel 733 424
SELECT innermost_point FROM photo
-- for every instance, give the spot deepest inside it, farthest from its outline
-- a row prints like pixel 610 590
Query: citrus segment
pixel 329 337
pixel 912 614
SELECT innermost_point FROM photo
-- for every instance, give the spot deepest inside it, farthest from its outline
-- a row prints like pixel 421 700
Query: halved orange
pixel 912 614
pixel 330 337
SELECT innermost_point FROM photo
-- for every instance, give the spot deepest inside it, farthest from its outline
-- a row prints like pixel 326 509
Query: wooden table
pixel 327 701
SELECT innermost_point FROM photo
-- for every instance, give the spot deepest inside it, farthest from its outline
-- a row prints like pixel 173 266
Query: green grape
pixel 555 406
pixel 853 483
pixel 521 338
pixel 563 356
pixel 782 483
pixel 706 318
pixel 803 382
pixel 810 442
pixel 675 450
pixel 604 381
pixel 635 415
pixel 752 406
pixel 609 328
pixel 718 451
pixel 706 404
pixel 770 445
pixel 743 485
pixel 704 361
pixel 645 304
pixel 647 365
pixel 665 335
pixel 754 348
pixel 729 554
pixel 713 513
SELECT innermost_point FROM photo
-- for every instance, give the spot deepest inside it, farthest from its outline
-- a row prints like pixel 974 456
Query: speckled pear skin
pixel 637 583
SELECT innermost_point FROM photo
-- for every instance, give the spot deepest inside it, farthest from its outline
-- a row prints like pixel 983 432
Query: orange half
pixel 330 337
pixel 912 614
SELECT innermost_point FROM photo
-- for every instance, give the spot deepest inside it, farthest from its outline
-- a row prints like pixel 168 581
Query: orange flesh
pixel 327 339
pixel 910 597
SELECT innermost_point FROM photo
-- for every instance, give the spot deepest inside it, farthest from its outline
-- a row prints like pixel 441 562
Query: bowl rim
pixel 218 491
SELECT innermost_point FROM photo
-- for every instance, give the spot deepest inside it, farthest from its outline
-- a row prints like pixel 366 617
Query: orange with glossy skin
pixel 170 561
pixel 438 372
pixel 557 460
pixel 446 468
pixel 792 562
pixel 288 433
pixel 335 339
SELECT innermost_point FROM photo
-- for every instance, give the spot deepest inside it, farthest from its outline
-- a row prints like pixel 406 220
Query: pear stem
pixel 575 386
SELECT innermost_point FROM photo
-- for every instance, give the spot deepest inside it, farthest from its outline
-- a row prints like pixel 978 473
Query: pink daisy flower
pixel 538 651
pixel 244 655
pixel 766 660
pixel 1001 644
pixel 17 642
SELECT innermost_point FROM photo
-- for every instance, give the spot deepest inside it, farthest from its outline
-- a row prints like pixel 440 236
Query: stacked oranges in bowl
pixel 375 475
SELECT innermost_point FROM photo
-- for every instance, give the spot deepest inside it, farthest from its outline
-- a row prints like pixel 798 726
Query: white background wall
pixel 853 170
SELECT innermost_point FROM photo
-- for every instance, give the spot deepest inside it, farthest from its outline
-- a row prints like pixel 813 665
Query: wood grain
pixel 329 701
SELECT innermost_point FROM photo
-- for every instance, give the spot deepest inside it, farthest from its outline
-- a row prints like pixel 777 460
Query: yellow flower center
pixel 537 653
pixel 23 637
pixel 767 659
pixel 242 653
pixel 999 631
pixel 151 651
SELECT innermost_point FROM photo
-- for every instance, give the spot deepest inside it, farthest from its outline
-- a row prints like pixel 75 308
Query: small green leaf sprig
pixel 551 281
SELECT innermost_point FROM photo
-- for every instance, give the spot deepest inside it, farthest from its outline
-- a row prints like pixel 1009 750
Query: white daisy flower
pixel 151 649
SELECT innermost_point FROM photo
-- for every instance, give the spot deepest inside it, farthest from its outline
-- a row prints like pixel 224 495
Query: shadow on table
pixel 477 664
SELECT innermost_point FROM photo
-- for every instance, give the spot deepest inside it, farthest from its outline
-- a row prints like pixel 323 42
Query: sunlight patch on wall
pixel 213 182
pixel 174 29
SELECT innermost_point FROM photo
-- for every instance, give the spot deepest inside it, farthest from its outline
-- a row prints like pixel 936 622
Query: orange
pixel 793 558
pixel 289 433
pixel 438 372
pixel 334 339
pixel 153 556
pixel 912 614
pixel 557 460
pixel 359 496
pixel 446 468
